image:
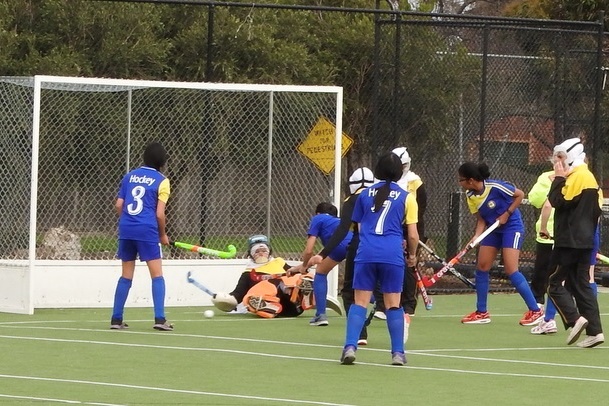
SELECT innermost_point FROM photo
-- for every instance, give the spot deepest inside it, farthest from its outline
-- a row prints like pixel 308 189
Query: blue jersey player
pixel 140 203
pixel 323 225
pixel 380 211
pixel 490 200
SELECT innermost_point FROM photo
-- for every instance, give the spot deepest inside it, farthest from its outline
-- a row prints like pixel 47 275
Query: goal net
pixel 235 165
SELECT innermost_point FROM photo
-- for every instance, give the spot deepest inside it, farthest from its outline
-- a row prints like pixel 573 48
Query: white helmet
pixel 361 177
pixel 574 149
pixel 402 153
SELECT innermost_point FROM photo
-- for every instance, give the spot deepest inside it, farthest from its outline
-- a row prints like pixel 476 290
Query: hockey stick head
pixel 189 277
pixel 231 252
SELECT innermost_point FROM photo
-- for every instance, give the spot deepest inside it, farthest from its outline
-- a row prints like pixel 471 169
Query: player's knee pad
pixel 224 301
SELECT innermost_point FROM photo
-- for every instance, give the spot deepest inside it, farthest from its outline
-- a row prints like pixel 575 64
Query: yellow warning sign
pixel 319 146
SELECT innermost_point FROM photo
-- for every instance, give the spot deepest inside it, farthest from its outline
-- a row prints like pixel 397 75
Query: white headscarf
pixel 361 177
pixel 402 153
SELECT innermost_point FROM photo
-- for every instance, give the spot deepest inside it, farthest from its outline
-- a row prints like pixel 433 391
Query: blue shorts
pixel 507 239
pixel 339 253
pixel 128 250
pixel 390 276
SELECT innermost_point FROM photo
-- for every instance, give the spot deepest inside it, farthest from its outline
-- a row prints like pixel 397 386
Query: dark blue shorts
pixel 507 239
pixel 339 253
pixel 129 250
pixel 390 276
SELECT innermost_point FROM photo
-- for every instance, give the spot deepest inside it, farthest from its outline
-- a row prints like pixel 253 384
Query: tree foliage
pixel 570 10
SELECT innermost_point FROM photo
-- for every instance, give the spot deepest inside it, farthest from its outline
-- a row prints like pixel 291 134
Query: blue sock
pixel 482 283
pixel 594 287
pixel 120 297
pixel 355 322
pixel 395 325
pixel 320 291
pixel 522 286
pixel 158 297
pixel 550 313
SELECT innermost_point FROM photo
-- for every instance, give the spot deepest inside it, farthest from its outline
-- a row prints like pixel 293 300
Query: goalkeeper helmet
pixel 255 242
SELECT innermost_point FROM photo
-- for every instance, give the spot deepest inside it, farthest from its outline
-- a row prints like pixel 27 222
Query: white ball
pixel 208 314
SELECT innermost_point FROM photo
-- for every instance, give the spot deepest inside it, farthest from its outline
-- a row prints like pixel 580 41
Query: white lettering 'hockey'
pixel 141 179
pixel 394 194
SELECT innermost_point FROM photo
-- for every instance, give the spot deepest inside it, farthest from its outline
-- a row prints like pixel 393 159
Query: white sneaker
pixel 240 309
pixel 406 326
pixel 592 341
pixel 380 315
pixel 545 327
pixel 577 329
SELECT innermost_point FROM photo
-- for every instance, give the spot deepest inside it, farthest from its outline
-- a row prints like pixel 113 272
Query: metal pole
pixel 129 100
pixel 598 94
pixel 269 177
pixel 396 84
pixel 375 85
pixel 483 92
pixel 210 43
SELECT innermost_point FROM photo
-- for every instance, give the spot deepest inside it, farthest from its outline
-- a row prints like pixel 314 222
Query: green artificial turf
pixel 70 356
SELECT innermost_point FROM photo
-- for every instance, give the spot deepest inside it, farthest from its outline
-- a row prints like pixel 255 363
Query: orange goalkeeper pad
pixel 262 300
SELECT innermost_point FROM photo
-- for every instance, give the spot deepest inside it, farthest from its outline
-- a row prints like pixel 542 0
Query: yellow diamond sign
pixel 320 144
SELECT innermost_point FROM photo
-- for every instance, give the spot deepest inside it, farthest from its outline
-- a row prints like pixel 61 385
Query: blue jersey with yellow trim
pixel 141 189
pixel 381 232
pixel 494 200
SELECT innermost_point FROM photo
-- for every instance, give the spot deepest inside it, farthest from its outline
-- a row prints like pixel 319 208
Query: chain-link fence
pixel 451 88
pixel 234 167
pixel 504 92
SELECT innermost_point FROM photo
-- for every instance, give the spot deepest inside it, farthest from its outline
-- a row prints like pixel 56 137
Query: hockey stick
pixel 430 281
pixel 230 253
pixel 426 299
pixel 602 258
pixel 451 269
pixel 199 285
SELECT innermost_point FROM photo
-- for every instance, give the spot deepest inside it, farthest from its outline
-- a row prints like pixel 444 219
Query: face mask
pixel 261 259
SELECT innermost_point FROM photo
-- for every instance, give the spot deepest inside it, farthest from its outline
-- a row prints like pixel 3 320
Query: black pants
pixel 572 268
pixel 541 271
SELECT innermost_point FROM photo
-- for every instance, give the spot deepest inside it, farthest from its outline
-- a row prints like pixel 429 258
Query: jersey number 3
pixel 136 207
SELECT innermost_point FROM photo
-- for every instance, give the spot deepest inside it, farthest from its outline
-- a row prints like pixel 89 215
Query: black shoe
pixel 162 325
pixel 117 324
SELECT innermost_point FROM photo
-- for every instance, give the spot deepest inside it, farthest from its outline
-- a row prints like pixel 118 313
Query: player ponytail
pixel 475 171
pixel 389 169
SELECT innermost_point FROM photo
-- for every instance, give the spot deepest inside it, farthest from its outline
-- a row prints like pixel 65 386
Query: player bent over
pixel 323 226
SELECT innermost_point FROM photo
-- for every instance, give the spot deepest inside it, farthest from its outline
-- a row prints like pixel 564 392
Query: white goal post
pixel 234 167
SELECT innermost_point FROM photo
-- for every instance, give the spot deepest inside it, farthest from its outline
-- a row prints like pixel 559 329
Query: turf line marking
pixel 174 334
pixel 183 391
pixel 298 344
pixel 220 350
pixel 513 374
pixel 512 361
pixel 76 402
